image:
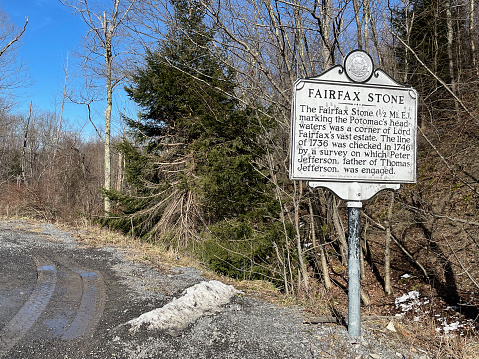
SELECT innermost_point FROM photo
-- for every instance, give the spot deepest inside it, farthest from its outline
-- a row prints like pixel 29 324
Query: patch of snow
pixel 204 298
pixel 406 276
pixel 447 328
pixel 412 295
pixel 452 326
pixel 454 307
pixel 408 301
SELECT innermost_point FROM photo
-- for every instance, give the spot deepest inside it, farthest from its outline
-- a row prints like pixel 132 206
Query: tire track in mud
pixel 21 323
pixel 91 305
pixel 88 311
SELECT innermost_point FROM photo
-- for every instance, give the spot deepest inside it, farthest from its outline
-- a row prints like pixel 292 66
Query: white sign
pixel 353 132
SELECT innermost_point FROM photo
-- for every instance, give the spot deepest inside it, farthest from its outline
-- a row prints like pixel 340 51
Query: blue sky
pixel 52 35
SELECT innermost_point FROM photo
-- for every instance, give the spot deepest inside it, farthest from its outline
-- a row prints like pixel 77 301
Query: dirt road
pixel 61 300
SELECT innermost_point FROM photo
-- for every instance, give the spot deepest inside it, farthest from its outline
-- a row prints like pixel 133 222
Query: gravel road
pixel 59 299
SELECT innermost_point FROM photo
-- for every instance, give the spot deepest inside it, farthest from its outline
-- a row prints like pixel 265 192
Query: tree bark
pixel 320 248
pixel 472 35
pixel 359 24
pixel 387 250
pixel 302 264
pixel 450 39
pixel 109 103
pixel 343 242
pixel 326 50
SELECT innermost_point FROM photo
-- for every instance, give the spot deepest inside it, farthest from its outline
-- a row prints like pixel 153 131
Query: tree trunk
pixel 358 24
pixel 409 25
pixel 302 264
pixel 343 242
pixel 109 104
pixel 320 248
pixel 376 43
pixel 436 42
pixel 326 51
pixel 366 24
pixel 25 142
pixel 119 177
pixel 387 251
pixel 304 70
pixel 286 264
pixel 450 39
pixel 472 35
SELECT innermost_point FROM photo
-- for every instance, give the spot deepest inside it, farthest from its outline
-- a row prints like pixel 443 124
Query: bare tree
pixel 472 34
pixel 106 26
pixel 25 142
pixel 450 43
pixel 12 73
pixel 15 39
pixel 359 23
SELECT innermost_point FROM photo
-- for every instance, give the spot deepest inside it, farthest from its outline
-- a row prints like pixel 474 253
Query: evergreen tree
pixel 191 164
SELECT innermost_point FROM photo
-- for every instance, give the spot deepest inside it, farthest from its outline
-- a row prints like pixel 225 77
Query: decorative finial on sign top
pixel 358 66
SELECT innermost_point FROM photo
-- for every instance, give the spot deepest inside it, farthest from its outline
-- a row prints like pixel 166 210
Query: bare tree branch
pixel 6 47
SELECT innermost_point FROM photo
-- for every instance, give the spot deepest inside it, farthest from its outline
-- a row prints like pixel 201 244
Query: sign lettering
pixel 353 132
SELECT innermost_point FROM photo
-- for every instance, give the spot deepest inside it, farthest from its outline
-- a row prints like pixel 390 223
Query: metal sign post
pixel 353 131
pixel 354 272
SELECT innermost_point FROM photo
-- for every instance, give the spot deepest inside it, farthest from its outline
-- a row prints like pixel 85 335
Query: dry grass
pixel 153 254
pixel 163 259
pixel 439 346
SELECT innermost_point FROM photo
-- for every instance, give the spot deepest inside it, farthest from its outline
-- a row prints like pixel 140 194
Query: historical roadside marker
pixel 353 130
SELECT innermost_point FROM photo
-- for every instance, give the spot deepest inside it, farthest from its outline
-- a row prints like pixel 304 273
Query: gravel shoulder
pixel 109 290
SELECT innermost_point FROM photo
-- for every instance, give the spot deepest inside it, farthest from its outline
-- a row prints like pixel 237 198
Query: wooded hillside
pixel 204 165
